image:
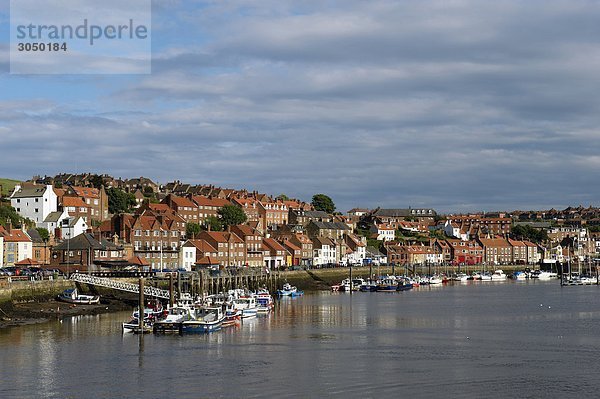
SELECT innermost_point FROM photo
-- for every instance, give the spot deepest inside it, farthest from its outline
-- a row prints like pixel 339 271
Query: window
pixel 138 233
pixel 37 200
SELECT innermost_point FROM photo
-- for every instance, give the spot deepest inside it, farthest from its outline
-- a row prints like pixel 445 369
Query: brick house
pixel 306 246
pixel 254 244
pixel 208 206
pixel 274 254
pixel 95 198
pixel 84 253
pixel 184 207
pixel 497 251
pixel 231 249
pixel 251 208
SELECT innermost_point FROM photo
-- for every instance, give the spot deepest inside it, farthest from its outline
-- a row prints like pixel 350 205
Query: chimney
pixel 9 226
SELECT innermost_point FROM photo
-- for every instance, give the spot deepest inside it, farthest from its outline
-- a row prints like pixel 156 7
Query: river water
pixel 468 340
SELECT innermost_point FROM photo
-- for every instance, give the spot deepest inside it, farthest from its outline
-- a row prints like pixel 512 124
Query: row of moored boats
pixel 403 283
pixel 201 315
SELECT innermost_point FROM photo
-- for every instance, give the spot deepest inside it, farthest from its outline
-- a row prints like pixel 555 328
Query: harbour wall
pixel 31 291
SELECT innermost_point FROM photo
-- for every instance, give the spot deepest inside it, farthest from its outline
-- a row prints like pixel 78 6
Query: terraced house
pixel 16 246
pixel 96 199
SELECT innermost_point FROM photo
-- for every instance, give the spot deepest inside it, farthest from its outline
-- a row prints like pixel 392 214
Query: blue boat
pixel 289 290
pixel 203 320
pixel 388 284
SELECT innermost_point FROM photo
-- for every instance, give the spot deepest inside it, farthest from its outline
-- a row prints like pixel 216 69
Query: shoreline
pixel 28 313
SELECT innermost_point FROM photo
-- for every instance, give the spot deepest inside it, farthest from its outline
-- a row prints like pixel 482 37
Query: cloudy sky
pixel 456 105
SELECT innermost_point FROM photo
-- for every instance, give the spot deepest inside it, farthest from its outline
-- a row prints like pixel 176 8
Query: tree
pixel 214 223
pixel 192 230
pixel 96 181
pixel 527 232
pixel 282 197
pixel 322 202
pixel 232 215
pixel 7 213
pixel 119 201
pixel 44 234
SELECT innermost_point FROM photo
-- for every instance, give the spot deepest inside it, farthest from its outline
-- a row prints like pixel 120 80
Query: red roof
pixel 205 201
pixel 86 192
pixel 136 260
pixel 15 236
pixel 27 262
pixel 73 201
pixel 207 261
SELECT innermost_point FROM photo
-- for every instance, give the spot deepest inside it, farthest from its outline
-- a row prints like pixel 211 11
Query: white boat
pixel 486 276
pixel 264 302
pixel 462 277
pixel 72 296
pixel 498 275
pixel 435 279
pixel 247 305
pixel 520 275
pixel 172 323
pixel 543 275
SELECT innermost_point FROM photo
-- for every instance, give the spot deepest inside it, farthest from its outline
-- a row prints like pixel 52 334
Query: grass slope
pixel 7 185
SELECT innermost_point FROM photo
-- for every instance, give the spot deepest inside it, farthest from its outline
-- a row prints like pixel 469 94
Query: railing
pixel 119 285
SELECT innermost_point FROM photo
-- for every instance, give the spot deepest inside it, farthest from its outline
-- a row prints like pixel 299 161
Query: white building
pixel 355 250
pixel 454 231
pixel 53 220
pixel 34 202
pixel 187 254
pixel 72 227
pixel 324 251
pixel 385 232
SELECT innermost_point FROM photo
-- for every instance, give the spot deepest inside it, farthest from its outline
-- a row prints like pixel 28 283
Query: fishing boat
pixel 203 320
pixel 404 285
pixel 289 290
pixel 71 295
pixel 435 280
pixel 172 323
pixel 368 286
pixel 247 305
pixel 233 316
pixel 264 302
pixel 388 284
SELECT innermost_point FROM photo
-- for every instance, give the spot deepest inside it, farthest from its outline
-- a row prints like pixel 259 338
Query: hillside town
pixel 89 222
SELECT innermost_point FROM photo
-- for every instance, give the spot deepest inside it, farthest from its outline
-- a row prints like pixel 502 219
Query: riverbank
pixel 323 279
pixel 31 302
pixel 40 312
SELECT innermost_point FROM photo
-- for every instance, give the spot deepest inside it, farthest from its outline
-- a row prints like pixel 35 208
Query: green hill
pixel 7 186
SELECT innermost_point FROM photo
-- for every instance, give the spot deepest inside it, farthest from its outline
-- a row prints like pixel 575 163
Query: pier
pixel 196 283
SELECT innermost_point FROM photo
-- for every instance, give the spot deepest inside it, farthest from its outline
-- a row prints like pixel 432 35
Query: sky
pixel 455 105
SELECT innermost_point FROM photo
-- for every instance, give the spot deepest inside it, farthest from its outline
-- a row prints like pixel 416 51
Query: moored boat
pixel 498 275
pixel 203 320
pixel 71 295
pixel 289 290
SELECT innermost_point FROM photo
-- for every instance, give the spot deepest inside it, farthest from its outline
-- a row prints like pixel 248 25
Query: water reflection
pixel 471 340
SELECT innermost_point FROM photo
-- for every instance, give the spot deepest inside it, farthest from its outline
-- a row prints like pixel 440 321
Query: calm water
pixel 470 340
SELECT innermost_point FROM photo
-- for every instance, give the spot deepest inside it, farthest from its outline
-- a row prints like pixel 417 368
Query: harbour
pixel 475 339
